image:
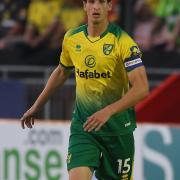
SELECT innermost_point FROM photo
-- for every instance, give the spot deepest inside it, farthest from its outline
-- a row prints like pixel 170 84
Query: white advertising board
pixel 39 153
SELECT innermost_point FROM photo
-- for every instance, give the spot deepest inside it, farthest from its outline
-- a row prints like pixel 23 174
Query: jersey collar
pixel 101 36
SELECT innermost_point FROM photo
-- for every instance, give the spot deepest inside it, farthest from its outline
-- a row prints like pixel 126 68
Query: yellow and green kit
pixel 101 65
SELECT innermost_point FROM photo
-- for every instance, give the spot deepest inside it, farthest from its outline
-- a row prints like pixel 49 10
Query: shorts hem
pixel 82 165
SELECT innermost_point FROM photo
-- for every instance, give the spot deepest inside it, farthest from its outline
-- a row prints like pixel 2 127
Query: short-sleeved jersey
pixel 101 65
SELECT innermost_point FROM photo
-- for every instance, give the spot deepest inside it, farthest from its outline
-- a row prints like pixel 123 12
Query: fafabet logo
pixel 90 61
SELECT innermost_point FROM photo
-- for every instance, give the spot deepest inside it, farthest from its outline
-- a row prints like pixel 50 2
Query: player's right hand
pixel 28 118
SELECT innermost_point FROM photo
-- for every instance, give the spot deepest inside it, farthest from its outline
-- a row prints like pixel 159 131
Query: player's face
pixel 97 10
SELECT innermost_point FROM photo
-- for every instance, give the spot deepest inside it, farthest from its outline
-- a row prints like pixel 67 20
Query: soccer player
pixel 110 80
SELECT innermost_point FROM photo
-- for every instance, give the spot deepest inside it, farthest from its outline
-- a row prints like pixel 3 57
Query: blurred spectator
pixel 144 25
pixel 41 27
pixel 42 32
pixel 12 18
pixel 47 21
pixel 168 11
pixel 114 15
pixel 72 14
pixel 157 24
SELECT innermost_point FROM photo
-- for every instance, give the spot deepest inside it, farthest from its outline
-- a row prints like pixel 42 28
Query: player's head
pixel 97 10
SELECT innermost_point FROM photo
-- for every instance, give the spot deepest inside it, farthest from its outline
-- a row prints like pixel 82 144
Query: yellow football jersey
pixel 101 65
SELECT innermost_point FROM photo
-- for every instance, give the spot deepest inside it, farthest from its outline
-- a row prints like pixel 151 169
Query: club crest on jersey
pixel 107 48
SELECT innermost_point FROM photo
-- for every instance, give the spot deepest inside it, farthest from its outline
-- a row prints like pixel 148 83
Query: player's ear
pixel 110 6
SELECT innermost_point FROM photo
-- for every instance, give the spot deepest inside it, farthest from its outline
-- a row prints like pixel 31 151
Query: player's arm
pixel 138 91
pixel 56 80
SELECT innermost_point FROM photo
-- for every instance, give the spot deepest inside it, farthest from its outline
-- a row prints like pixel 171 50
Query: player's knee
pixel 80 173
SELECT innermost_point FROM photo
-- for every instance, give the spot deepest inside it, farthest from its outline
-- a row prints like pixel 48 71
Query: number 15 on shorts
pixel 124 166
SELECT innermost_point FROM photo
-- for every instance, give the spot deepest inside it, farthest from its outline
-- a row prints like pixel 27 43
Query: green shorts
pixel 111 157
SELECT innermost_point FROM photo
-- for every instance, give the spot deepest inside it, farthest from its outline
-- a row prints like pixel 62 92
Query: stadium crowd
pixel 157 24
pixel 31 31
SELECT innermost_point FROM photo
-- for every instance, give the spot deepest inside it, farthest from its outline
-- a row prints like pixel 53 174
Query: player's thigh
pixel 117 158
pixel 82 152
pixel 80 173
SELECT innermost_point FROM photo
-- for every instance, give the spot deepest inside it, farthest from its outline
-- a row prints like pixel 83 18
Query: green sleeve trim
pixel 76 30
pixel 66 67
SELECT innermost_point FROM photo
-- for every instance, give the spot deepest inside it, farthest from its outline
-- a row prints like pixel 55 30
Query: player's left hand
pixel 97 120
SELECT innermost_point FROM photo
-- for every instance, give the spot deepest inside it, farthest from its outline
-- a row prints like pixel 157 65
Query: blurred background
pixel 31 34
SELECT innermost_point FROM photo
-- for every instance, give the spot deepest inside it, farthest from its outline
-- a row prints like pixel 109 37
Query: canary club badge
pixel 107 48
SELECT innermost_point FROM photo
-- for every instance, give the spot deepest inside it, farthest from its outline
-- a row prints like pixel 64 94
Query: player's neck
pixel 95 30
